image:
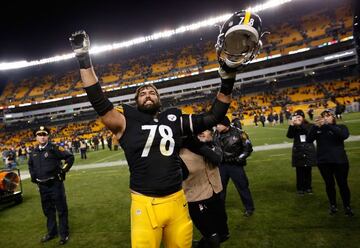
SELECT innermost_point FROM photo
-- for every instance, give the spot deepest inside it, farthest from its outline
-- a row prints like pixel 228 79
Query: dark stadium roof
pixel 37 29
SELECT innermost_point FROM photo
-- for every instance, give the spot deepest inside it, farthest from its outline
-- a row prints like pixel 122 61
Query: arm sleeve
pixel 291 132
pixel 312 134
pixel 247 146
pixel 31 169
pixel 214 156
pixel 67 156
pixel 340 131
pixel 195 124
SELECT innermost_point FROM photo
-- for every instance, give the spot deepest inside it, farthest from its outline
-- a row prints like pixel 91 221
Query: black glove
pixel 228 76
pixel 61 175
pixel 80 44
pixel 235 159
pixel 33 180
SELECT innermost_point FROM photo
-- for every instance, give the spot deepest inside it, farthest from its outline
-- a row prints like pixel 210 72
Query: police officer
pixel 236 147
pixel 48 172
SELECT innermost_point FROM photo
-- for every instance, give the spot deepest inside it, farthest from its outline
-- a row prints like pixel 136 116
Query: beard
pixel 150 109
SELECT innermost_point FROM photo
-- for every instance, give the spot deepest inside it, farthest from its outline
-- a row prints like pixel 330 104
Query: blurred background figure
pixel 303 153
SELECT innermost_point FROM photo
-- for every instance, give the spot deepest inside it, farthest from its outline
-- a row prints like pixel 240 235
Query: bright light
pixel 268 5
pixel 159 35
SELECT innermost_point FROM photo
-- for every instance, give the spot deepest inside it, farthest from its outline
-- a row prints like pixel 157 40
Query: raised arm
pixel 111 118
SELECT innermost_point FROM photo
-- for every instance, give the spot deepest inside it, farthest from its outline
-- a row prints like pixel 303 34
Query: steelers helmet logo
pixel 171 117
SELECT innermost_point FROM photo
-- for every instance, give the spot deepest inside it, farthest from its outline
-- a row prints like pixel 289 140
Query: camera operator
pixel 331 158
pixel 303 153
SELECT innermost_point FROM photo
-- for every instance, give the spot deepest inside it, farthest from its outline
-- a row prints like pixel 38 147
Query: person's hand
pixel 291 122
pixel 319 121
pixel 80 42
pixel 297 121
pixel 225 71
pixel 61 175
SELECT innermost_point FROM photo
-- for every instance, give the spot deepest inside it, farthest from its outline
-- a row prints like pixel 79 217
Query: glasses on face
pixel 41 134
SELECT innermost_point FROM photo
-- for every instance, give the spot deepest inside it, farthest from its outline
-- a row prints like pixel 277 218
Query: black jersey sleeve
pixel 194 124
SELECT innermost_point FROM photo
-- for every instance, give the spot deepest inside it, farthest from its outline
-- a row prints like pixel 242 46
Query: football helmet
pixel 239 40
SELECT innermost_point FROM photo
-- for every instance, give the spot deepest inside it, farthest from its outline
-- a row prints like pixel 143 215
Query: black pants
pixel 239 178
pixel 338 172
pixel 53 199
pixel 209 217
pixel 303 178
pixel 83 153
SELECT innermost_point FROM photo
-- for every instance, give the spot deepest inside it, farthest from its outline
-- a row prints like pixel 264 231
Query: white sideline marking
pixel 26 175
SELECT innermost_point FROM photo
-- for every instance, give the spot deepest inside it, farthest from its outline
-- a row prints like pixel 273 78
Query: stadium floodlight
pixel 267 5
pixel 155 36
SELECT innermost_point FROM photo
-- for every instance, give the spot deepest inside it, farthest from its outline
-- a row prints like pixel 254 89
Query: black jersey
pixel 151 146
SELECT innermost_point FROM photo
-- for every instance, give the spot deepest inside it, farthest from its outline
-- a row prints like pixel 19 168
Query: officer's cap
pixel 41 130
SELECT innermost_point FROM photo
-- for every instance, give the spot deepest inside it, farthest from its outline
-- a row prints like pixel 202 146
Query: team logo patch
pixel 46 154
pixel 138 212
pixel 171 117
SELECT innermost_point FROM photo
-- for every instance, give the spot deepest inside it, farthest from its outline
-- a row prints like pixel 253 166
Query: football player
pixel 151 139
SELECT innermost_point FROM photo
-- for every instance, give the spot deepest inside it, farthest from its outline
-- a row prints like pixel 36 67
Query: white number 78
pixel 166 136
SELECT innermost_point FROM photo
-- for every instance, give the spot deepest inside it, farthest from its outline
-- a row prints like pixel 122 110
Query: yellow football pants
pixel 160 218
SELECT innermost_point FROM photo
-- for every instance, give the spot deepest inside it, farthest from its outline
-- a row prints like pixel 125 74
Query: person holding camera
pixel 303 153
pixel 332 160
pixel 48 172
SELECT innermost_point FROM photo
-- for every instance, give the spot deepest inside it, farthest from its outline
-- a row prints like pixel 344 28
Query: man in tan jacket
pixel 202 187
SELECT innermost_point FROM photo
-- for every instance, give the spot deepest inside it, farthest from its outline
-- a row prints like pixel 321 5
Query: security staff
pixel 332 160
pixel 303 153
pixel 48 172
pixel 236 147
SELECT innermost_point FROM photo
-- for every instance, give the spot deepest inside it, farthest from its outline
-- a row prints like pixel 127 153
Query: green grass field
pixel 99 201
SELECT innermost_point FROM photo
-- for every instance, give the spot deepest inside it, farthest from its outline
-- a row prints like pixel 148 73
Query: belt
pixel 44 180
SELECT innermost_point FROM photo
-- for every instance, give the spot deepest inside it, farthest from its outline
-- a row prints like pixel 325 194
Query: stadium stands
pixel 310 31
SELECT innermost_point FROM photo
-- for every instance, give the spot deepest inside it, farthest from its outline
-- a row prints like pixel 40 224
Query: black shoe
pixel 309 191
pixel 64 240
pixel 349 212
pixel 332 209
pixel 300 192
pixel 47 238
pixel 224 237
pixel 248 213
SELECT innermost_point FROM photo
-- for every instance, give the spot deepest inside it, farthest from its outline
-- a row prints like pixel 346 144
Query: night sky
pixel 36 30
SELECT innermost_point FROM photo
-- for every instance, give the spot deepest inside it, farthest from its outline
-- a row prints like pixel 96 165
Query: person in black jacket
pixel 48 172
pixel 331 158
pixel 303 153
pixel 236 147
